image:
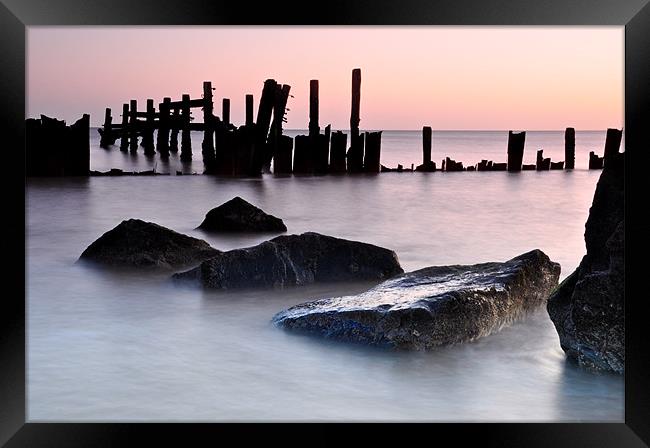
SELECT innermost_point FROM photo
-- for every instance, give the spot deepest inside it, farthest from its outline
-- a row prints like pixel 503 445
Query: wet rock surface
pixel 138 243
pixel 588 307
pixel 433 306
pixel 238 215
pixel 293 260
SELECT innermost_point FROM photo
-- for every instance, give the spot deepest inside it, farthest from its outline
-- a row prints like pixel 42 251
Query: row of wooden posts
pixel 515 152
pixel 250 148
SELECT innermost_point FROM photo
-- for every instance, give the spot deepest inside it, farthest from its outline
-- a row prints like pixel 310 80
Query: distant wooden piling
pixel 320 153
pixel 355 154
pixel 339 142
pixel 207 146
pixel 162 138
pixel 249 110
pixel 557 165
pixel 173 138
pixel 427 164
pixel 451 165
pixel 147 135
pixel 372 156
pixel 595 162
pixel 186 141
pixel 516 143
pixel 612 144
pixel 569 148
pixel 314 128
pixel 542 163
pixel 107 138
pixel 302 158
pixel 133 125
pixel 124 142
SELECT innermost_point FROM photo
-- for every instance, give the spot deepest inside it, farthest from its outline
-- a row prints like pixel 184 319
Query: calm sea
pixel 129 347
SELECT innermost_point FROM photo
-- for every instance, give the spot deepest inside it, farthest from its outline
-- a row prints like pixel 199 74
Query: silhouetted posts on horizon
pixel 314 127
pixel 542 163
pixel 124 141
pixel 516 141
pixel 173 138
pixel 162 138
pixel 186 141
pixel 428 166
pixel 451 165
pixel 249 110
pixel 263 123
pixel 133 128
pixel 207 146
pixel 107 138
pixel 372 156
pixel 339 143
pixel 569 148
pixel 147 135
pixel 595 162
pixel 302 159
pixel 355 153
pixel 612 144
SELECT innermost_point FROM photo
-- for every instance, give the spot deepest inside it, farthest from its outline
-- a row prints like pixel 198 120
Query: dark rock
pixel 587 308
pixel 433 306
pixel 293 260
pixel 237 215
pixel 145 244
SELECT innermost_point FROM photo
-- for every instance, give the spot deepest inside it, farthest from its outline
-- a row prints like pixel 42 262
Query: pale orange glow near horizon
pixel 447 77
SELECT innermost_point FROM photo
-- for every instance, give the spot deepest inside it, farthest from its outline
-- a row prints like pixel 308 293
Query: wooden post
pixel 337 153
pixel 279 107
pixel 162 139
pixel 173 140
pixel 262 153
pixel 207 147
pixel 249 110
pixel 595 162
pixel 186 142
pixel 371 161
pixel 426 145
pixel 612 144
pixel 147 136
pixel 283 156
pixel 355 154
pixel 569 148
pixel 133 126
pixel 314 128
pixel 225 111
pixel 515 150
pixel 107 138
pixel 303 161
pixel 542 163
pixel 124 142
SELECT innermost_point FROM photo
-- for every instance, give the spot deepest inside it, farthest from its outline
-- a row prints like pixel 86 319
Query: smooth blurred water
pixel 108 346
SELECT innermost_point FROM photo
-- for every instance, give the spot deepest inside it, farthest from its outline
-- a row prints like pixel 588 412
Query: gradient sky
pixel 447 77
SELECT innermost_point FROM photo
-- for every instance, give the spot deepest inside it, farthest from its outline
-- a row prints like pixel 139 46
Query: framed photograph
pixel 410 212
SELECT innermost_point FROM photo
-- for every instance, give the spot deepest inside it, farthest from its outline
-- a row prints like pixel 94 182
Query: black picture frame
pixel 16 15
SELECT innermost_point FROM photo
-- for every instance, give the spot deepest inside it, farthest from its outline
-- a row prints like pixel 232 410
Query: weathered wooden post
pixel 543 164
pixel 595 162
pixel 314 128
pixel 371 161
pixel 249 110
pixel 107 138
pixel 612 144
pixel 282 160
pixel 162 138
pixel 175 127
pixel 569 148
pixel 186 142
pixel 77 157
pixel 133 126
pixel 355 154
pixel 515 150
pixel 303 161
pixel 208 122
pixel 147 135
pixel 279 107
pixel 337 152
pixel 427 164
pixel 124 142
pixel 225 111
pixel 263 123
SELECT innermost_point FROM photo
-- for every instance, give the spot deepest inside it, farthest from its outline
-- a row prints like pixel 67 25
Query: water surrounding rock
pixel 292 260
pixel 588 307
pixel 433 306
pixel 238 215
pixel 145 244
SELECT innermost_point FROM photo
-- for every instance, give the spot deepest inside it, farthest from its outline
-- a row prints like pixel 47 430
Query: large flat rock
pixel 293 260
pixel 433 306
pixel 138 243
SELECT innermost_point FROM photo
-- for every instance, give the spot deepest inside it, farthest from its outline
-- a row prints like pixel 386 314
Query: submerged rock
pixel 587 308
pixel 238 215
pixel 145 244
pixel 433 306
pixel 292 260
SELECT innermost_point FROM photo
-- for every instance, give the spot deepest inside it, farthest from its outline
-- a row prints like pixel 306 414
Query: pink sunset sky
pixel 451 77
